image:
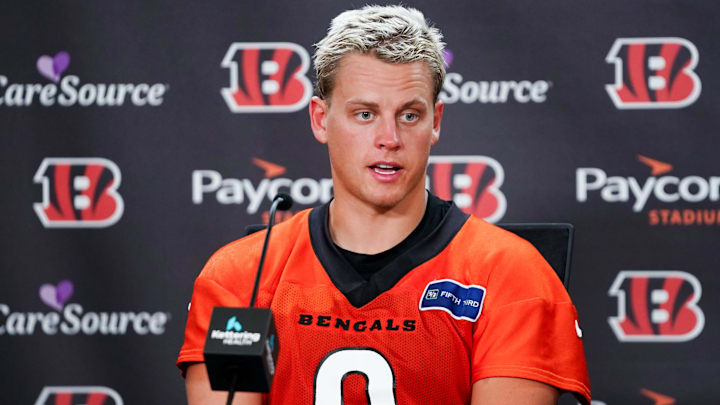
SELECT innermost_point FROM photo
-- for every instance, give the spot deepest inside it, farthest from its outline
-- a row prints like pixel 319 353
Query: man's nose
pixel 387 136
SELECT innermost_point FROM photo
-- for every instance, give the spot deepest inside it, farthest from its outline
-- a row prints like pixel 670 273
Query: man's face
pixel 379 126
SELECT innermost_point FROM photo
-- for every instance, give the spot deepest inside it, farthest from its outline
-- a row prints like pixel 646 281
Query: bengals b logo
pixel 78 193
pixel 653 73
pixel 267 77
pixel 70 395
pixel 471 182
pixel 657 306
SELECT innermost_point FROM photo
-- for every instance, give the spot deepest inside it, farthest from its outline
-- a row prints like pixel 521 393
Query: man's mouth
pixel 385 169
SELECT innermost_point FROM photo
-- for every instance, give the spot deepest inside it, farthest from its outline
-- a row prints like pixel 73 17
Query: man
pixel 387 294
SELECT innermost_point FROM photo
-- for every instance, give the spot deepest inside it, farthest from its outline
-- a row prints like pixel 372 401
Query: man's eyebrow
pixel 370 104
pixel 354 101
pixel 413 103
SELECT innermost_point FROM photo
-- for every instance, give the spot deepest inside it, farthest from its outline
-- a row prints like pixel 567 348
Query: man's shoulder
pixel 484 235
pixel 510 261
pixel 482 245
pixel 244 253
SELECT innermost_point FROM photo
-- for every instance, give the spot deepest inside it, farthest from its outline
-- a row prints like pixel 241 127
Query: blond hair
pixel 393 34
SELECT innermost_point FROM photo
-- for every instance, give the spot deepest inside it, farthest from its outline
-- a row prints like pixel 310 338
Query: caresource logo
pixel 73 319
pixel 653 73
pixel 471 182
pixel 69 91
pixel 456 89
pixel 266 77
pixel 78 193
pixel 253 191
pixel 71 395
pixel 448 57
pixel 660 187
pixel 656 306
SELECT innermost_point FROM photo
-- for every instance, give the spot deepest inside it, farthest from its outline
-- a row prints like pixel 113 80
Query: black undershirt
pixel 367 265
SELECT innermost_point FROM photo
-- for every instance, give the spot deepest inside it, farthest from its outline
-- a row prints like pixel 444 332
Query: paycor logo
pixel 252 192
pixel 658 187
pixel 70 91
pixel 73 319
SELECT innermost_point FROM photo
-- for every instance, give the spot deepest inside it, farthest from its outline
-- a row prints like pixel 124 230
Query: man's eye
pixel 365 115
pixel 410 117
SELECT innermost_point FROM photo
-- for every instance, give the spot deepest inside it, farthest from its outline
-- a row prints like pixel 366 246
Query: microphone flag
pixel 241 346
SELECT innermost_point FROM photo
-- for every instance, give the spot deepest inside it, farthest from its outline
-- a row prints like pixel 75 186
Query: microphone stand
pixel 271 221
pixel 283 202
pixel 231 392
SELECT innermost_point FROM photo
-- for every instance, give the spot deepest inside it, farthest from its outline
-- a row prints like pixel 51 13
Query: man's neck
pixel 360 228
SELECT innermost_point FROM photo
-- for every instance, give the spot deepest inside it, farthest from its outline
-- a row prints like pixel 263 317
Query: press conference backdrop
pixel 139 137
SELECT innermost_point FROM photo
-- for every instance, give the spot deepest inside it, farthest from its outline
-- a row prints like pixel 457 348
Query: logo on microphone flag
pixel 233 324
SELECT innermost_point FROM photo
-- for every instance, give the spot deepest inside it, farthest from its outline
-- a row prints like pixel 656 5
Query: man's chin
pixel 386 201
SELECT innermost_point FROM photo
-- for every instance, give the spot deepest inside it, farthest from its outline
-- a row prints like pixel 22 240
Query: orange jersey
pixel 470 301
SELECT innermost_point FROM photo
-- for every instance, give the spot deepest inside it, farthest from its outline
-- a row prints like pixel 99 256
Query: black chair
pixel 553 241
pixel 251 229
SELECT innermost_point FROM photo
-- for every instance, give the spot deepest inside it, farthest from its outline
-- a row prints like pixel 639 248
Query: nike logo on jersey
pixel 578 330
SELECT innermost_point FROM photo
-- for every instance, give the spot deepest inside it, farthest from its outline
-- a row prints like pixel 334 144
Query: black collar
pixel 356 289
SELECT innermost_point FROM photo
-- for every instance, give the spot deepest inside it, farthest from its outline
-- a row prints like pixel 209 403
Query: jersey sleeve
pixel 212 289
pixel 529 327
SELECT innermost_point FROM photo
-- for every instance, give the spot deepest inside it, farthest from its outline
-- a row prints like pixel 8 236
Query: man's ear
pixel 318 110
pixel 437 118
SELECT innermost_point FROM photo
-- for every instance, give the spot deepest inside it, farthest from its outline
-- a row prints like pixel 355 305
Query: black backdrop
pixel 559 148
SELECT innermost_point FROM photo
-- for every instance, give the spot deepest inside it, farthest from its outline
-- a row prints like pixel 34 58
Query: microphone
pixel 241 346
pixel 286 202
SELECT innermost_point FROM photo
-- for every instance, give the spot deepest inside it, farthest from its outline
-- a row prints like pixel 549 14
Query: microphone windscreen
pixel 285 203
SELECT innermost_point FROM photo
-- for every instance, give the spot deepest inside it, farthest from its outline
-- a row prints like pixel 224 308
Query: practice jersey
pixel 470 301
